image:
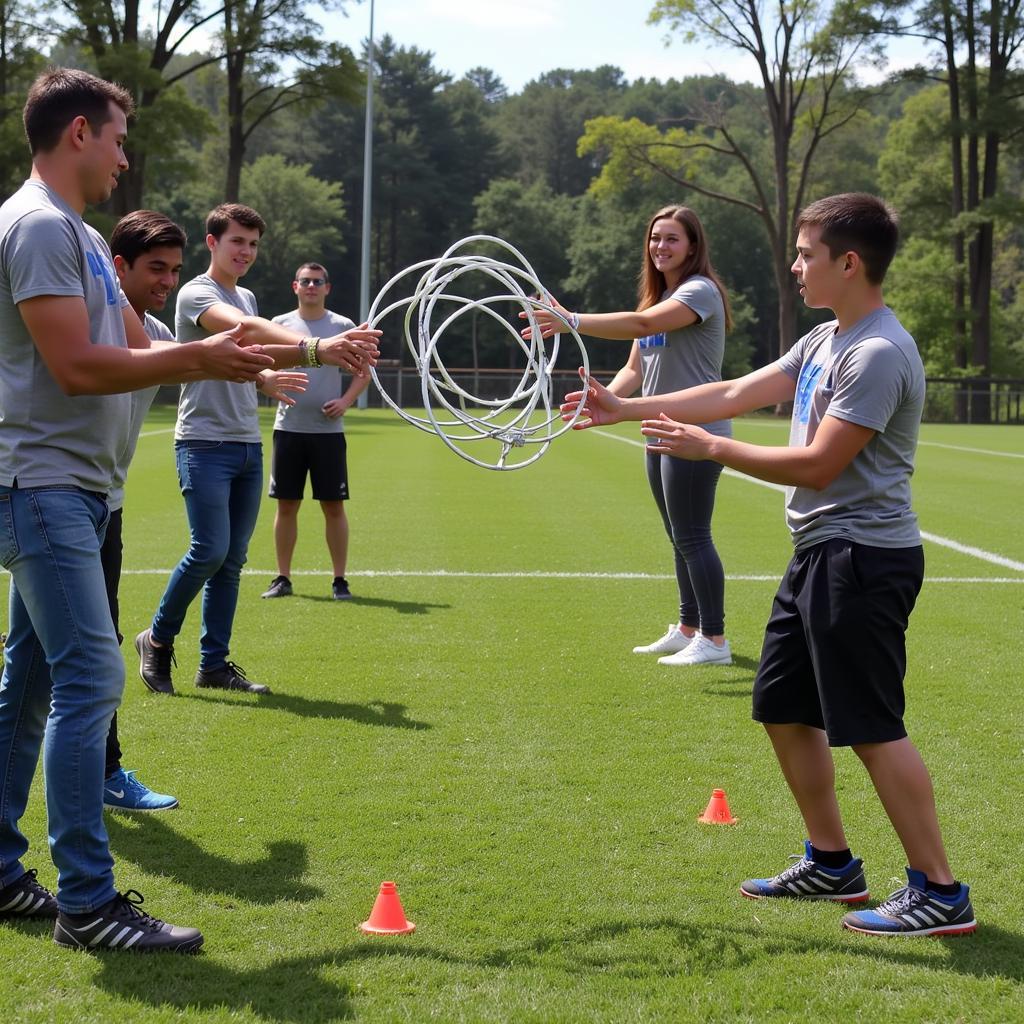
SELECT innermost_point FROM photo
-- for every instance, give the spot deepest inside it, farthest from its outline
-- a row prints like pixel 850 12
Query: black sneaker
pixel 228 677
pixel 119 924
pixel 25 897
pixel 155 663
pixel 339 589
pixel 809 880
pixel 280 586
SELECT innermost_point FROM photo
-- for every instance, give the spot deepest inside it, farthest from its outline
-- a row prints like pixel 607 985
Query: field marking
pixel 930 444
pixel 153 433
pixel 546 575
pixel 934 538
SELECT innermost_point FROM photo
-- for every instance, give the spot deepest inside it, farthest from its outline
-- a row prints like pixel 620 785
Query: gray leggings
pixel 685 493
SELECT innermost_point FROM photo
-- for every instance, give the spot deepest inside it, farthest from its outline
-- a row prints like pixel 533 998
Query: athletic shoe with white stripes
pixel 25 897
pixel 673 641
pixel 120 924
pixel 808 880
pixel 700 651
pixel 916 910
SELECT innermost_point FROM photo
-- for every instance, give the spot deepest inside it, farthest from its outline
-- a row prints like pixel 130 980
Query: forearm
pixel 626 382
pixel 357 385
pixel 110 370
pixel 794 467
pixel 702 404
pixel 622 326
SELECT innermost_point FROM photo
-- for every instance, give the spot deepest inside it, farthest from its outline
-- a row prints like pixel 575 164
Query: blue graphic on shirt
pixel 809 377
pixel 100 268
pixel 653 340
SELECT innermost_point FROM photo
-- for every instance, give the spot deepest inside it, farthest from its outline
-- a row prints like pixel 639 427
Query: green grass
pixel 490 743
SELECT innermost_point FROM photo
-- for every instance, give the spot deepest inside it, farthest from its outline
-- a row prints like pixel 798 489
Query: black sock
pixel 831 858
pixel 943 890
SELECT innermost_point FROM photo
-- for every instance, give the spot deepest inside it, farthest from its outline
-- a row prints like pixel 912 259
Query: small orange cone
pixel 387 916
pixel 717 811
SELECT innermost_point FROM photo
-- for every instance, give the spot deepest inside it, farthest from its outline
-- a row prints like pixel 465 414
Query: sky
pixel 521 39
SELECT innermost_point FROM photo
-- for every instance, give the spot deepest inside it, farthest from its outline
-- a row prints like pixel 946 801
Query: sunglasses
pixel 308 282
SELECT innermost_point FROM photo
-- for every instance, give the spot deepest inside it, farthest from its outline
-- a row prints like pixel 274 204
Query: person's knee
pixel 287 508
pixel 205 557
pixel 333 510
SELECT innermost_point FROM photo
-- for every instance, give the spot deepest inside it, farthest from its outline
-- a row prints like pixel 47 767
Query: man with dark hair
pixel 70 351
pixel 309 438
pixel 219 452
pixel 148 250
pixel 834 654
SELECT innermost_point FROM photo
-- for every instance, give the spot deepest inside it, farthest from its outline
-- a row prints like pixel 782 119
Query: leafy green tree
pixel 304 216
pixel 20 61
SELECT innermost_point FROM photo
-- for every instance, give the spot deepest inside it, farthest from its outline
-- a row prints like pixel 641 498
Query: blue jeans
pixel 62 681
pixel 222 482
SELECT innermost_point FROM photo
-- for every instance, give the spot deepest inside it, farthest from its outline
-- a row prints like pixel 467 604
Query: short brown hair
pixel 856 222
pixel 59 95
pixel 313 266
pixel 136 233
pixel 221 216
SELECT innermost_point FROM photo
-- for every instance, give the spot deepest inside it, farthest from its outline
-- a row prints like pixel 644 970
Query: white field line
pixel 934 538
pixel 929 444
pixel 153 433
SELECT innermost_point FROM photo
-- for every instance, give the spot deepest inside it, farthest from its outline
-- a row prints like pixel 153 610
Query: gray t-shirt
pixel 141 401
pixel 872 375
pixel 306 416
pixel 48 438
pixel 213 410
pixel 673 360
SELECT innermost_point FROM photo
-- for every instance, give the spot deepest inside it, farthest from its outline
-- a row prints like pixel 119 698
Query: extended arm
pixel 669 315
pixel 630 378
pixel 59 326
pixel 816 465
pixel 353 350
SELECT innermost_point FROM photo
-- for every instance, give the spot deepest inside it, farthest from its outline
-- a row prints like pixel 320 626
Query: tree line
pixel 244 99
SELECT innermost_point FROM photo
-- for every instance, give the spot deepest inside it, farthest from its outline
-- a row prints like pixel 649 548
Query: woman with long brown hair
pixel 678 335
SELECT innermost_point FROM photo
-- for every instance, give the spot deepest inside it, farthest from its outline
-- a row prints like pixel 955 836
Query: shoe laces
pixel 132 784
pixel 235 671
pixel 28 881
pixel 902 900
pixel 163 656
pixel 128 907
pixel 794 870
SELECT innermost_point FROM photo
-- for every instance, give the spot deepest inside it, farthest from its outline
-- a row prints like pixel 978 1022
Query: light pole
pixel 364 271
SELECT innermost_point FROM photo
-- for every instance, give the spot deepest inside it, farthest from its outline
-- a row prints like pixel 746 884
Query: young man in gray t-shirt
pixel 70 351
pixel 219 454
pixel 309 440
pixel 834 654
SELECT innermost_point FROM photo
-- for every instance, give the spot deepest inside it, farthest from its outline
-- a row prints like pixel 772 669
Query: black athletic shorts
pixel 322 456
pixel 834 653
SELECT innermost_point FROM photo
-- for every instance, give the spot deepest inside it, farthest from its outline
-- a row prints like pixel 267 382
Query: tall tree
pixel 805 53
pixel 275 58
pixel 980 48
pixel 20 60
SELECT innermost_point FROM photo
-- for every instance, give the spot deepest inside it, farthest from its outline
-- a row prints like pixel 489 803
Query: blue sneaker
pixel 915 910
pixel 123 792
pixel 808 880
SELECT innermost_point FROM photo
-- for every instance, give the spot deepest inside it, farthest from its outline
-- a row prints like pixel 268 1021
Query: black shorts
pixel 322 456
pixel 834 653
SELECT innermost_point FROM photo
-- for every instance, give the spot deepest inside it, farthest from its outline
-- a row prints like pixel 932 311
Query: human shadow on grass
pixel 151 843
pixel 374 712
pixel 290 990
pixel 402 607
pixel 635 949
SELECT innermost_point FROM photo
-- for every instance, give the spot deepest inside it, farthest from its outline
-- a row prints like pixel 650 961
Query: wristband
pixel 574 321
pixel 313 351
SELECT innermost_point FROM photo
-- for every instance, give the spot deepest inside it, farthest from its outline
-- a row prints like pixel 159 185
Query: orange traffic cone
pixel 717 811
pixel 387 916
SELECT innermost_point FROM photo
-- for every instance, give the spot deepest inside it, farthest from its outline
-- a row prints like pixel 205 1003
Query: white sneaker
pixel 674 641
pixel 701 651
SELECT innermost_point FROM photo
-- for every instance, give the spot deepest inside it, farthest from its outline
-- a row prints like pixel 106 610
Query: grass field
pixel 478 731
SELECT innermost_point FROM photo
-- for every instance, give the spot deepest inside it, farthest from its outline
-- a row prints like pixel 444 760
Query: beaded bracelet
pixel 313 351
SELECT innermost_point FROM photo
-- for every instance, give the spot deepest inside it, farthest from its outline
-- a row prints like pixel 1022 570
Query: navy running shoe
pixel 808 880
pixel 916 910
pixel 25 897
pixel 120 924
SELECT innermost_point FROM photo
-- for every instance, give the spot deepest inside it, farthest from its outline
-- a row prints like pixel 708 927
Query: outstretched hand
pixel 276 384
pixel 549 322
pixel 222 357
pixel 600 406
pixel 354 350
pixel 683 440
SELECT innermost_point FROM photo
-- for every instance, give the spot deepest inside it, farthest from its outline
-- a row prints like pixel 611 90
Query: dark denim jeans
pixel 62 681
pixel 222 482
